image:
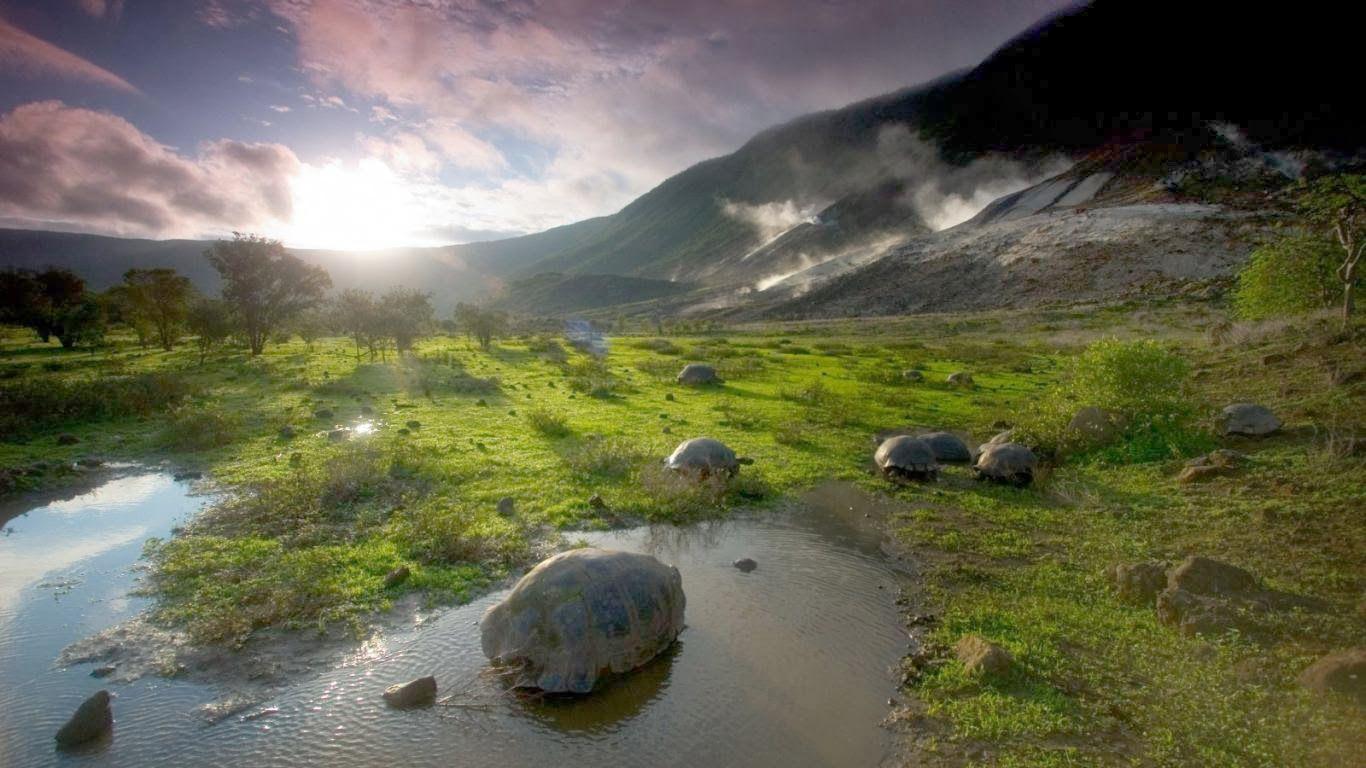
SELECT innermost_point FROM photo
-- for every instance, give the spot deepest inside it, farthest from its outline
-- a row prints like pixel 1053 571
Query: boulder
pixel 694 374
pixel 1248 419
pixel 982 657
pixel 1343 672
pixel 745 564
pixel 415 693
pixel 1206 576
pixel 92 719
pixel 506 506
pixel 1138 582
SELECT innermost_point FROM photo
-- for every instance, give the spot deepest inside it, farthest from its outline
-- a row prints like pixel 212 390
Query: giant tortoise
pixel 1009 463
pixel 904 458
pixel 703 457
pixel 583 614
pixel 697 374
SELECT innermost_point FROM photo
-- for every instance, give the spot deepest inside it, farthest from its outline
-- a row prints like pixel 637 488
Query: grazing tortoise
pixel 906 458
pixel 947 446
pixel 583 614
pixel 961 379
pixel 694 374
pixel 911 374
pixel 702 456
pixel 1009 463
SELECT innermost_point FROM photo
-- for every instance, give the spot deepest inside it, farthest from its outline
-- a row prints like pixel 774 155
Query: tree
pixel 484 324
pixel 80 323
pixel 356 315
pixel 264 285
pixel 1290 276
pixel 40 301
pixel 210 321
pixel 311 326
pixel 406 315
pixel 159 298
pixel 1338 203
pixel 465 317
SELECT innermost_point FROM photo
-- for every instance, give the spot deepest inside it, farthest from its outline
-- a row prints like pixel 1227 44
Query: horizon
pixel 359 126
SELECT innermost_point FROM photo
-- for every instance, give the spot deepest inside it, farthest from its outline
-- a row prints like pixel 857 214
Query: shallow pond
pixel 790 665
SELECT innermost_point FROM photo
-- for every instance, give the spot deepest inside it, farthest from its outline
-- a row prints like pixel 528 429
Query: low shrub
pixel 547 422
pixel 608 457
pixel 31 404
pixel 198 428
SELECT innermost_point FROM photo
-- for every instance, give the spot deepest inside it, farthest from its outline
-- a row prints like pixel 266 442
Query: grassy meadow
pixel 309 526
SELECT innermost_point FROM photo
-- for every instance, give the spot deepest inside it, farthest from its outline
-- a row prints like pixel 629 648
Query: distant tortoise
pixel 703 456
pixel 904 458
pixel 696 374
pixel 948 447
pixel 1009 463
pixel 583 614
pixel 961 379
pixel 911 374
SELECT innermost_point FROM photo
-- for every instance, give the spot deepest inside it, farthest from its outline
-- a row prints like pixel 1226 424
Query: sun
pixel 353 206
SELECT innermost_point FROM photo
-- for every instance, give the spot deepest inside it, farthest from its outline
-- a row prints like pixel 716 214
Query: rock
pixel 1194 614
pixel 89 462
pixel 286 432
pixel 481 402
pixel 667 431
pixel 1093 426
pixel 961 379
pixel 506 506
pixel 1205 576
pixel 104 671
pixel 982 657
pixel 745 564
pixel 702 457
pixel 948 447
pixel 416 693
pixel 1343 672
pixel 1216 463
pixel 339 434
pixel 324 413
pixel 93 719
pixel 1199 474
pixel 694 374
pixel 1138 582
pixel 413 424
pixel 911 374
pixel 366 410
pixel 397 576
pixel 67 438
pixel 596 501
pixel 1009 463
pixel 1248 419
pixel 670 397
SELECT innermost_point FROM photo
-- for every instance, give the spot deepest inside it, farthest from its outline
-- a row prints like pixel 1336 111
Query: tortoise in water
pixel 947 446
pixel 702 456
pixel 1009 463
pixel 695 374
pixel 583 614
pixel 906 458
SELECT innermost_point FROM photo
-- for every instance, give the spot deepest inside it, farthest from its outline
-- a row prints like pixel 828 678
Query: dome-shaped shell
pixel 583 614
pixel 703 456
pixel 905 457
pixel 697 373
pixel 1007 463
pixel 948 446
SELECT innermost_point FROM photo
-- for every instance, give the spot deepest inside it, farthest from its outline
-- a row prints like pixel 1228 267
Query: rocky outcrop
pixel 92 720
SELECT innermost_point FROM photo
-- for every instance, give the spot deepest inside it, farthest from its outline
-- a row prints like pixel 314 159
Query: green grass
pixel 312 526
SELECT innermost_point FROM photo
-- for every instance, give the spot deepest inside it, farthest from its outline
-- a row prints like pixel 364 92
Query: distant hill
pixel 550 293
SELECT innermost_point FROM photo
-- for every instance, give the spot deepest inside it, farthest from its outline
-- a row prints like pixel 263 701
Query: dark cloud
pixel 65 164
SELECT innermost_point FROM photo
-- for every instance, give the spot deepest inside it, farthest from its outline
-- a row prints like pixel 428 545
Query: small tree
pixel 407 315
pixel 311 326
pixel 80 323
pixel 40 300
pixel 264 285
pixel 356 315
pixel 210 321
pixel 485 324
pixel 465 317
pixel 159 298
pixel 1338 202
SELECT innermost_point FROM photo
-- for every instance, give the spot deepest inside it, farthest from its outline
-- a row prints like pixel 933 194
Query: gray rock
pixel 694 374
pixel 286 432
pixel 745 564
pixel 415 693
pixel 93 718
pixel 506 506
pixel 324 413
pixel 1249 419
pixel 1205 576
pixel 911 374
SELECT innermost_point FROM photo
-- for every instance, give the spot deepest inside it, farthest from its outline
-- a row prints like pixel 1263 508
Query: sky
pixel 361 124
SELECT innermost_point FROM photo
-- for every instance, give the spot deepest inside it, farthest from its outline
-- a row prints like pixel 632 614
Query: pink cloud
pixel 27 55
pixel 78 166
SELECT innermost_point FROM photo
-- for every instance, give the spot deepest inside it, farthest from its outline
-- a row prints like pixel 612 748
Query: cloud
pixel 30 56
pixel 279 108
pixel 77 166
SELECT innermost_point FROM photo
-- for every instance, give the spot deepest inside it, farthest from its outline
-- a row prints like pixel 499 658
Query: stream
pixel 789 665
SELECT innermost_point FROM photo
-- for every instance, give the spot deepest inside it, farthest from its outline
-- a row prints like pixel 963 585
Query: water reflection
pixel 612 704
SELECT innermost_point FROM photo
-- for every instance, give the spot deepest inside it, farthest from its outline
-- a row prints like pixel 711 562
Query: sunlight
pixel 358 206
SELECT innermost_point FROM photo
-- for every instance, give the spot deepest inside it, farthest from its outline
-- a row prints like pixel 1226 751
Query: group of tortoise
pixel 903 458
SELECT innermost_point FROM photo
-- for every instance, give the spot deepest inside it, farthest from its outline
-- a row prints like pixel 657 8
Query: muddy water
pixel 790 665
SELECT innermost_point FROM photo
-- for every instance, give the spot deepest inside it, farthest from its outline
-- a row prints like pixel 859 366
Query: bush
pixel 662 346
pixel 40 402
pixel 612 457
pixel 198 429
pixel 547 422
pixel 1292 276
pixel 592 377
